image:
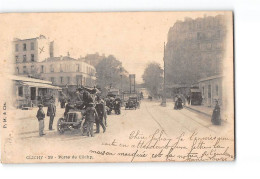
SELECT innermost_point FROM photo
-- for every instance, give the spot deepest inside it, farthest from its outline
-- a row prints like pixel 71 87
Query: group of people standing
pixel 178 103
pixel 51 112
pixel 93 108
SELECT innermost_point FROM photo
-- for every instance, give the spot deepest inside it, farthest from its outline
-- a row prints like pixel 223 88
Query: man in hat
pixel 40 116
pixel 51 111
pixel 87 98
pixel 90 117
pixel 100 107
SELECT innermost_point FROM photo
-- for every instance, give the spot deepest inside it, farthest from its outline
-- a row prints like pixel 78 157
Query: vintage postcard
pixel 117 87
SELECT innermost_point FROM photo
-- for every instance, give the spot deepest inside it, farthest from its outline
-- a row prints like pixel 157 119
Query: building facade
pixel 35 58
pixel 67 72
pixel 211 90
pixel 195 49
pixel 29 92
pixel 27 52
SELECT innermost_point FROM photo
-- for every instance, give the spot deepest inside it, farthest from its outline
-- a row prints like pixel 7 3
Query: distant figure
pixel 51 111
pixel 175 102
pixel 188 99
pixel 100 108
pixel 178 103
pixel 40 116
pixel 87 98
pixel 68 107
pixel 91 116
pixel 215 119
pixel 78 95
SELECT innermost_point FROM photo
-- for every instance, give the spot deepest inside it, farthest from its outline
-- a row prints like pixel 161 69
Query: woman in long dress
pixel 215 119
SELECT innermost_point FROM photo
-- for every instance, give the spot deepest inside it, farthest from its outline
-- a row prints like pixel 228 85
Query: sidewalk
pixel 201 109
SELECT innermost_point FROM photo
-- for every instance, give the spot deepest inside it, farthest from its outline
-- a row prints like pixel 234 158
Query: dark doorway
pixel 33 93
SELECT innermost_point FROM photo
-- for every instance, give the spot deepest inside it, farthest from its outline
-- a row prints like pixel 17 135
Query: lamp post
pixel 164 89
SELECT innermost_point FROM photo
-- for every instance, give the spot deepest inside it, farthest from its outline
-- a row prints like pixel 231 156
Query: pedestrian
pixel 188 99
pixel 176 102
pixel 87 98
pixel 179 103
pixel 90 117
pixel 68 107
pixel 51 111
pixel 100 107
pixel 215 119
pixel 40 116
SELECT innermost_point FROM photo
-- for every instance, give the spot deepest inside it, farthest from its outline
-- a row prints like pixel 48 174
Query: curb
pixel 189 108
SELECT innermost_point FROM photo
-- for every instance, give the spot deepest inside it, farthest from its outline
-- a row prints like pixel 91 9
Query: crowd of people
pixel 94 108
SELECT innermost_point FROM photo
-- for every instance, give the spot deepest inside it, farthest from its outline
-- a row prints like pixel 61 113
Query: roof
pixel 41 85
pixel 194 90
pixel 34 82
pixel 211 78
pixel 27 79
pixel 178 86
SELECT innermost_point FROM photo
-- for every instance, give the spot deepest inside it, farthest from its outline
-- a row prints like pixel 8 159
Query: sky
pixel 135 38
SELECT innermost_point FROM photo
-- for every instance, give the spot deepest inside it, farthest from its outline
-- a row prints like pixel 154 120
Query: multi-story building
pixel 67 72
pixel 27 52
pixel 34 57
pixel 195 49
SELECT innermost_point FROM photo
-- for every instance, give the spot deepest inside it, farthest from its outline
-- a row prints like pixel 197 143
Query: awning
pixel 194 90
pixel 41 85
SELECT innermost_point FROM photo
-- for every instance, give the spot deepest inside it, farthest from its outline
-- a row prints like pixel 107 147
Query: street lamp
pixel 164 89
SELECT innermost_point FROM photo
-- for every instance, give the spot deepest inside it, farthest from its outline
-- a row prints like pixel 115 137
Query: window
pixel 209 91
pixel 198 35
pixel 218 34
pixel 16 58
pixel 209 46
pixel 24 47
pixel 61 70
pixel 51 68
pixel 198 46
pixel 32 57
pixel 20 91
pixel 52 79
pixel 32 69
pixel 24 69
pixel 78 68
pixel 17 70
pixel 203 91
pixel 32 45
pixel 24 58
pixel 16 47
pixel 42 69
pixel 61 79
pixel 68 80
pixel 216 90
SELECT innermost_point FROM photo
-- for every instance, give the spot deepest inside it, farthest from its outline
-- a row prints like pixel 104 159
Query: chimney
pixel 52 49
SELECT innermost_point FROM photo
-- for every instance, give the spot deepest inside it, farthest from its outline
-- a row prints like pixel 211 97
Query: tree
pixel 109 71
pixel 153 78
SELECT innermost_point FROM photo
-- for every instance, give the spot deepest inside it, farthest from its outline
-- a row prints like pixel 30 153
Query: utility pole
pixel 130 79
pixel 134 82
pixel 164 88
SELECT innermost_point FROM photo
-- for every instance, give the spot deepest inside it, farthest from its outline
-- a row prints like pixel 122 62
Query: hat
pixel 40 105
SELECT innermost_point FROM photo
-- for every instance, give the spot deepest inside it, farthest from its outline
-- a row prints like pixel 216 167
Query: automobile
pixel 73 120
pixel 132 103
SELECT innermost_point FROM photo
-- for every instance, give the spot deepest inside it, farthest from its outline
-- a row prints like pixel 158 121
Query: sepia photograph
pixel 102 87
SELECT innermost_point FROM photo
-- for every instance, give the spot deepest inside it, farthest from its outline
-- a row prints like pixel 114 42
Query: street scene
pixel 153 93
pixel 148 118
